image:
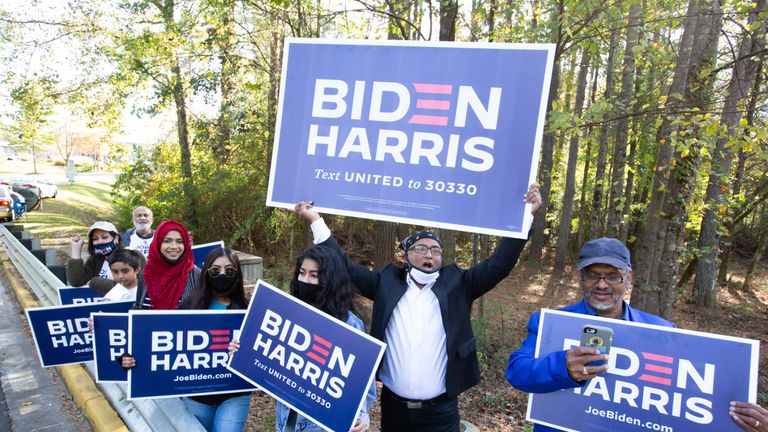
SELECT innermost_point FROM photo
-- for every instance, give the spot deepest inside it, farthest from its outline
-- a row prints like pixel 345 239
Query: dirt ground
pixel 495 406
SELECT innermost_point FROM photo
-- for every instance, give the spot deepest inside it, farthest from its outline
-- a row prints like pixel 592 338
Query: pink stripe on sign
pixel 316 358
pixel 655 379
pixel 429 120
pixel 659 369
pixel 322 341
pixel 433 88
pixel 320 350
pixel 218 347
pixel 657 357
pixel 433 104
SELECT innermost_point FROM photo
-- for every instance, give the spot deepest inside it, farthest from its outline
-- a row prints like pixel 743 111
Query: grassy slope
pixel 72 212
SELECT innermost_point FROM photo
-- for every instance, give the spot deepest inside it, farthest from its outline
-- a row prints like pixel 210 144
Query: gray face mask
pixel 141 226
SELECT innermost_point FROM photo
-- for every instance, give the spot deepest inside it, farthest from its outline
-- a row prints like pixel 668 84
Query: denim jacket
pixel 303 424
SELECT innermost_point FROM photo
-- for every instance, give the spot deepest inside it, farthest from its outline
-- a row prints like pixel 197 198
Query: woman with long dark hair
pixel 220 287
pixel 321 280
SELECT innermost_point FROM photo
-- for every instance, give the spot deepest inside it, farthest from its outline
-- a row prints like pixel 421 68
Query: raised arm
pixel 365 280
pixel 487 274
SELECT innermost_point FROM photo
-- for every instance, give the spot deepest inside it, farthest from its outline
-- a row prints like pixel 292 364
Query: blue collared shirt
pixel 550 373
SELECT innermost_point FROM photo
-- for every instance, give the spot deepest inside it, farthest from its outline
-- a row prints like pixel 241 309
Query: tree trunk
pixel 547 147
pixel 683 177
pixel 228 63
pixel 183 134
pixel 449 10
pixel 384 242
pixel 596 218
pixel 746 286
pixel 570 177
pixel 583 222
pixel 448 237
pixel 659 243
pixel 726 244
pixel 624 101
pixel 545 176
pixel 705 288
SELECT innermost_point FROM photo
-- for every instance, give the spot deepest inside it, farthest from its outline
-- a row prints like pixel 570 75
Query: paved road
pixel 31 398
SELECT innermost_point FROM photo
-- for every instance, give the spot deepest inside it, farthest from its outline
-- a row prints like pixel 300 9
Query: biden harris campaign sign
pixel 441 134
pixel 303 357
pixel 61 332
pixel 182 353
pixel 110 340
pixel 658 378
pixel 78 295
pixel 201 251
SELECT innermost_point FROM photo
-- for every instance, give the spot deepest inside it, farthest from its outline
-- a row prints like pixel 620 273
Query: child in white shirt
pixel 125 265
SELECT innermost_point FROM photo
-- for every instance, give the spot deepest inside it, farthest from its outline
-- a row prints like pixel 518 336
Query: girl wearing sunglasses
pixel 220 287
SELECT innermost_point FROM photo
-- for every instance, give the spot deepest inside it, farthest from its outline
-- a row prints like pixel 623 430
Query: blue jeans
pixel 228 416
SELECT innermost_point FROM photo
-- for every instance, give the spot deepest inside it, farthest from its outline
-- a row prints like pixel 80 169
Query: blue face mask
pixel 104 248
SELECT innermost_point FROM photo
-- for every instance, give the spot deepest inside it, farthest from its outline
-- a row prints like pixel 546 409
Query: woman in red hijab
pixel 170 274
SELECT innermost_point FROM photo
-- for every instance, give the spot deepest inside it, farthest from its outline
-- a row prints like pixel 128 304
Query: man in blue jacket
pixel 605 275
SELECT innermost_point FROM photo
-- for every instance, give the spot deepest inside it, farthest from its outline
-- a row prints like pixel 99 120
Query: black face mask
pixel 104 248
pixel 221 284
pixel 306 292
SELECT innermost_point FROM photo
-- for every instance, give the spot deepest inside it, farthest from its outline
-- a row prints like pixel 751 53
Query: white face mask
pixel 423 278
pixel 141 226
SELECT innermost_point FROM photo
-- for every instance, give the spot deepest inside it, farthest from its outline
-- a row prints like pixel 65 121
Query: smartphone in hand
pixel 597 337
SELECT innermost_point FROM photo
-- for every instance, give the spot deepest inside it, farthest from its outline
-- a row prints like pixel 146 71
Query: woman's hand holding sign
pixel 233 347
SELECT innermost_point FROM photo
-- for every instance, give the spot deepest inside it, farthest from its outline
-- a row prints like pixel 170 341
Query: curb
pixel 79 382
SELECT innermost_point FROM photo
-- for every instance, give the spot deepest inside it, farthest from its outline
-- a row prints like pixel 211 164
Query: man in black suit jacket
pixel 423 311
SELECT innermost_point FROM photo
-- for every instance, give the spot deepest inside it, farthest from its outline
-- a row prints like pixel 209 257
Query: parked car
pixel 47 189
pixel 6 204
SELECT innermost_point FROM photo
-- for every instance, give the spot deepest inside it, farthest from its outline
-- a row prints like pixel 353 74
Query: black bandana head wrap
pixel 413 238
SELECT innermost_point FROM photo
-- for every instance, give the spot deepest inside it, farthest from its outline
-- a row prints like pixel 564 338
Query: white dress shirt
pixel 415 361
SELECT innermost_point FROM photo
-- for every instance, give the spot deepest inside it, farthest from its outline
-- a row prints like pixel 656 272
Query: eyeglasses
pixel 216 271
pixel 422 250
pixel 593 278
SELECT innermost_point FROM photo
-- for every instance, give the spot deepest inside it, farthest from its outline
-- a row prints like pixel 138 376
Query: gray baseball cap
pixel 604 250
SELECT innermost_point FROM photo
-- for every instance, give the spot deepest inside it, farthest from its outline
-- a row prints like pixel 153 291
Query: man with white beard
pixel 140 237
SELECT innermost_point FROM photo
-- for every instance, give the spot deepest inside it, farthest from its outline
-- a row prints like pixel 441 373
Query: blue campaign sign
pixel 78 295
pixel 303 357
pixel 182 353
pixel 659 378
pixel 202 250
pixel 440 134
pixel 61 332
pixel 110 340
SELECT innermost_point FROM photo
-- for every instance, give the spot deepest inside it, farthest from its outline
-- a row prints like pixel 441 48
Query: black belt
pixel 413 403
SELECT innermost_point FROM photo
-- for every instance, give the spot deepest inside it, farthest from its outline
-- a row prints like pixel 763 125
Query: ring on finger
pixel 584 371
pixel 757 423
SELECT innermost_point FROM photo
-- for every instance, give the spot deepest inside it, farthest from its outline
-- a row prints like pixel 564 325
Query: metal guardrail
pixel 139 415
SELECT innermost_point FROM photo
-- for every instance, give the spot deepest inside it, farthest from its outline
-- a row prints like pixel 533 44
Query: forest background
pixel 655 133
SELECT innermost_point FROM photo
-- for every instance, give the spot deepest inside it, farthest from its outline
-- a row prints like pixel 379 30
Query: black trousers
pixel 443 416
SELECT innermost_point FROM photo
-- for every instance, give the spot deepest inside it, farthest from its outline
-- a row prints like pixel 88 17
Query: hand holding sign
pixel 303 209
pixel 533 197
pixel 751 417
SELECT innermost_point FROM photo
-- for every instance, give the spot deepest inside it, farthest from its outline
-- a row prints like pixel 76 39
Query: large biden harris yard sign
pixel 441 134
